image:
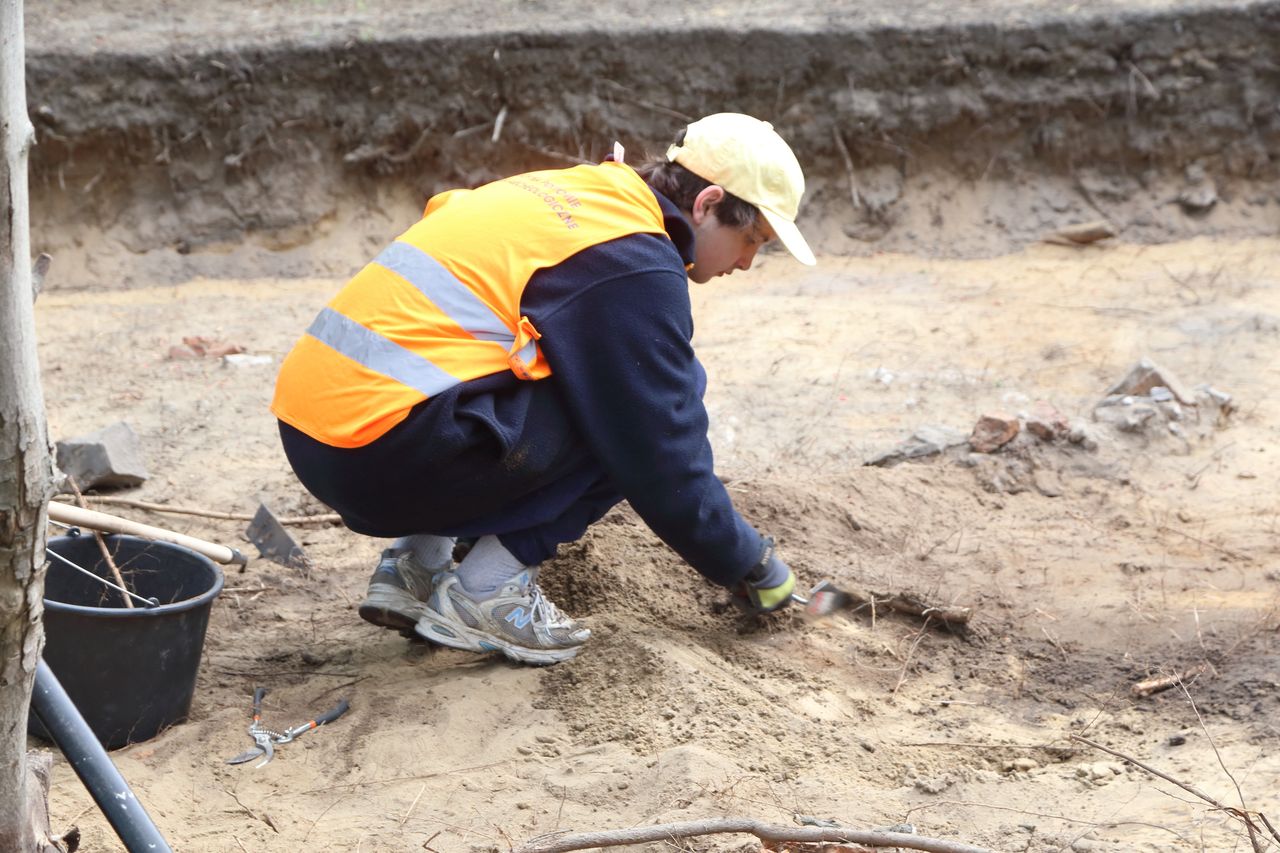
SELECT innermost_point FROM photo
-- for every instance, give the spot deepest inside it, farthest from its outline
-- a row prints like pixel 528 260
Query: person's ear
pixel 705 202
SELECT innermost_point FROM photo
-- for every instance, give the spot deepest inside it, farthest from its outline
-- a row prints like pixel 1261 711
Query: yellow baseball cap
pixel 749 159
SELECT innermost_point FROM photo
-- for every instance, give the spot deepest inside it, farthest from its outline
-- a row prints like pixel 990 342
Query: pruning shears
pixel 266 740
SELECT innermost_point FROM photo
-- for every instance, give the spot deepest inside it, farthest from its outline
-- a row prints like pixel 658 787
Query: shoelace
pixel 544 609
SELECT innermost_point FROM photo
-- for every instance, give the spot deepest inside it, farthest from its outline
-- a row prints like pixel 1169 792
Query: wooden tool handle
pixel 94 520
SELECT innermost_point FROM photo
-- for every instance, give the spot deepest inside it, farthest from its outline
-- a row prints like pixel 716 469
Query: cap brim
pixel 790 237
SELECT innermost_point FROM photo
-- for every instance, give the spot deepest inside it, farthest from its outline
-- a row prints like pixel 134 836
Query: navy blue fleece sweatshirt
pixel 617 325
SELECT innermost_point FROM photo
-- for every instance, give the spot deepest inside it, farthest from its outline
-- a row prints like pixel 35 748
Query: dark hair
pixel 682 186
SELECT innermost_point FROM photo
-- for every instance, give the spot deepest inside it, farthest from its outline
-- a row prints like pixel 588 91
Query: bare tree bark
pixel 26 472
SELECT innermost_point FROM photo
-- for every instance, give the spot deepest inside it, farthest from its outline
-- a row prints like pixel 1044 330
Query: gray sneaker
pixel 517 620
pixel 398 591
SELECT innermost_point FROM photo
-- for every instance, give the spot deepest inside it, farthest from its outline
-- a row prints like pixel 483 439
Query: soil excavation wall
pixel 184 149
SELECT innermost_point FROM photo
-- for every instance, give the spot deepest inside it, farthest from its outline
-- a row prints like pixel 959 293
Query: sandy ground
pixel 1088 569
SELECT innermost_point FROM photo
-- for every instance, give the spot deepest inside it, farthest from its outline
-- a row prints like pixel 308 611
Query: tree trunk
pixel 26 473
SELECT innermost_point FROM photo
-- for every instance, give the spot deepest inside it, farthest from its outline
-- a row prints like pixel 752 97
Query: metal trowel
pixel 823 599
pixel 274 542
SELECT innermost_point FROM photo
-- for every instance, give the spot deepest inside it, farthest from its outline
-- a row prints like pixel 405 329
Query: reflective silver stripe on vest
pixel 383 355
pixel 451 296
pixel 379 354
pixel 528 353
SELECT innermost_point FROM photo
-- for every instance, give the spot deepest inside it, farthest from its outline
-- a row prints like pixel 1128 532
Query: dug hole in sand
pixel 1121 543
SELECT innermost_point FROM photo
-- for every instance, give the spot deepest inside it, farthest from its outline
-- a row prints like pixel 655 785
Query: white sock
pixel 433 552
pixel 487 567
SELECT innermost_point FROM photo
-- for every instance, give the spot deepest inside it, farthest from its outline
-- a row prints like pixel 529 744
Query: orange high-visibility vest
pixel 441 305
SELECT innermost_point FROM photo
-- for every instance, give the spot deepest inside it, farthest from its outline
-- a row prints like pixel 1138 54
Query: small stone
pixel 1199 198
pixel 1081 234
pixel 1132 416
pixel 1024 764
pixel 993 431
pixel 1047 483
pixel 1176 740
pixel 933 786
pixel 110 457
pixel 1146 375
pixel 925 441
pixel 1047 423
pixel 1103 771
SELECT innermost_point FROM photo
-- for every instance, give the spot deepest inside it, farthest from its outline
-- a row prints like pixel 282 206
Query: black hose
pixel 110 791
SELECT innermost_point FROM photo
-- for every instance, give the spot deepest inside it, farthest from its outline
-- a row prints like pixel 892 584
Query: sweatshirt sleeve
pixel 621 355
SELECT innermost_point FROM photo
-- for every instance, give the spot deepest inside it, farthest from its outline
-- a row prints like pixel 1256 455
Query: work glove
pixel 768 586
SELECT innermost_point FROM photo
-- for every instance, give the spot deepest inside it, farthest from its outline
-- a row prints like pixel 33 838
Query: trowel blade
pixel 823 599
pixel 273 541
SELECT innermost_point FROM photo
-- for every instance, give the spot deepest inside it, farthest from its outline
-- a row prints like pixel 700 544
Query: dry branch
pixel 102 547
pixel 561 842
pixel 1148 686
pixel 953 617
pixel 1243 815
pixel 321 518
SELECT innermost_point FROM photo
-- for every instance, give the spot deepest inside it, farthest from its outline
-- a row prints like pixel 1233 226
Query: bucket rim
pixel 205 598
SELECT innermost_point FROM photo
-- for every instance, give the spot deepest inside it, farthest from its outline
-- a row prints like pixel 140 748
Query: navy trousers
pixel 507 463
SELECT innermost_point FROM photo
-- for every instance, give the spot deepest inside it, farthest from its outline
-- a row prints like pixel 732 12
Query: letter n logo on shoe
pixel 520 617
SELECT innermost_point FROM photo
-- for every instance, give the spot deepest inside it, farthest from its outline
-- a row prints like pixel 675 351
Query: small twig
pixel 320 816
pixel 413 805
pixel 657 108
pixel 1053 641
pixel 102 545
pixel 968 744
pixel 1239 793
pixel 1235 555
pixel 556 155
pixel 395 779
pixel 1242 815
pixel 1270 828
pixel 264 817
pixel 1146 81
pixel 902 676
pixel 944 803
pixel 1190 789
pixel 848 169
pixel 560 843
pixel 498 123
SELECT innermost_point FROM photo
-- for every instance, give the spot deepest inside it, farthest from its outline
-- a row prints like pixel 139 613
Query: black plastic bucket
pixel 131 673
